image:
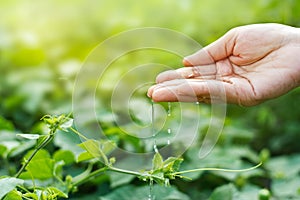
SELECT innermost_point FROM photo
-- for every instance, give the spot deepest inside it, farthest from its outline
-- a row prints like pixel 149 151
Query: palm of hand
pixel 259 68
pixel 249 65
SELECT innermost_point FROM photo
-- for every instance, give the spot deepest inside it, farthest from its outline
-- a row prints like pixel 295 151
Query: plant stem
pixel 78 133
pixel 91 175
pixel 23 188
pixel 114 169
pixel 45 142
pixel 124 171
pixel 217 169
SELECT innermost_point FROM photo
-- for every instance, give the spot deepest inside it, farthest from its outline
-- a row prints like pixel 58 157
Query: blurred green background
pixel 44 43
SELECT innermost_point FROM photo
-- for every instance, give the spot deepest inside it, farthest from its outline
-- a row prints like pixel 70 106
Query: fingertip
pixel 150 91
pixel 149 94
pixel 156 96
pixel 167 76
pixel 186 63
pixel 160 95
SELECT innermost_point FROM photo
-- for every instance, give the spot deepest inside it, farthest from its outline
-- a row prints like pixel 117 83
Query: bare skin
pixel 251 63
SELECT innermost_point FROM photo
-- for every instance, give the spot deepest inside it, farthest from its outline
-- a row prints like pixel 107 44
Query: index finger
pixel 201 72
pixel 218 50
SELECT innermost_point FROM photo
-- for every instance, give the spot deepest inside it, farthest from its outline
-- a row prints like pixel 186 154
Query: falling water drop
pixel 167 182
pixel 197 103
pixel 169 109
pixel 151 196
pixel 152 127
pixel 152 119
pixel 169 115
pixel 169 130
pixel 155 148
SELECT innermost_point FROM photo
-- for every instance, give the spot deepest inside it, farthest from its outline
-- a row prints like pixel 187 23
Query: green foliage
pixel 8 184
pixel 164 170
pixel 39 165
pixel 226 192
pixel 136 193
pixel 264 194
pixel 5 124
pixel 96 149
pixel 43 45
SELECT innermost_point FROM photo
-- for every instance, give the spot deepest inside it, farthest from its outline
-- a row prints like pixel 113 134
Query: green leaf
pixel 157 162
pixel 93 147
pixel 5 124
pixel 249 191
pixel 30 136
pixel 10 145
pixel 31 196
pixel 96 149
pixel 40 169
pixel 56 192
pixel 41 154
pixel 13 195
pixel 64 155
pixel 172 164
pixel 21 148
pixel 84 156
pixel 285 188
pixel 67 124
pixel 118 179
pixel 225 192
pixel 68 141
pixel 131 192
pixel 3 150
pixel 284 166
pixel 8 184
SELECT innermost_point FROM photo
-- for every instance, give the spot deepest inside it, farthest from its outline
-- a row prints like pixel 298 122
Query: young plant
pixel 45 172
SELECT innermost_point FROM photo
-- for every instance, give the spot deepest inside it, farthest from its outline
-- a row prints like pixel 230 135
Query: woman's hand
pixel 252 63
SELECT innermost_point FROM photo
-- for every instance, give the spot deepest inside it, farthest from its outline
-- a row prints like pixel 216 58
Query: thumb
pixel 218 50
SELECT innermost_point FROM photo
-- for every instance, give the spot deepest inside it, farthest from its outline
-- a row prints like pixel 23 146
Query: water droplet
pixel 168 142
pixel 155 148
pixel 169 109
pixel 153 130
pixel 152 119
pixel 197 103
pixel 151 196
pixel 167 182
pixel 169 131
